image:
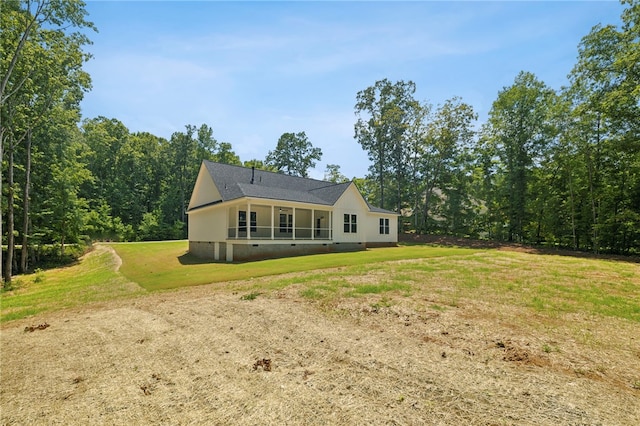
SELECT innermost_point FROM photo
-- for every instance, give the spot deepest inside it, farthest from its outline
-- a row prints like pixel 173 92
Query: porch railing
pixel 279 233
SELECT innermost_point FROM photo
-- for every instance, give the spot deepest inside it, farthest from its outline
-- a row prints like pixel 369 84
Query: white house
pixel 239 213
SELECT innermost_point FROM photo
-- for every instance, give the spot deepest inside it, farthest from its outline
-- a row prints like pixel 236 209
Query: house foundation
pixel 241 252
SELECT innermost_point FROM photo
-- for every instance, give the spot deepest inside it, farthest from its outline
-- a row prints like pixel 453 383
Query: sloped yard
pixel 417 341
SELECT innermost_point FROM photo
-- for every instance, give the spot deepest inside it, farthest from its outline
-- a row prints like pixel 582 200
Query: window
pixel 350 223
pixel 242 221
pixel 286 223
pixel 384 226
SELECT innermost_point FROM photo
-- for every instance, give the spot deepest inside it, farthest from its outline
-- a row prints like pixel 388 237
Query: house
pixel 239 213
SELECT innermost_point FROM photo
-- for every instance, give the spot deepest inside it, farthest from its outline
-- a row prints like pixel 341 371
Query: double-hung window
pixel 384 226
pixel 350 223
pixel 242 221
pixel 286 223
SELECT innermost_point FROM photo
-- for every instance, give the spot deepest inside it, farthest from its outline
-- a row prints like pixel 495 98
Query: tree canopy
pixel 294 155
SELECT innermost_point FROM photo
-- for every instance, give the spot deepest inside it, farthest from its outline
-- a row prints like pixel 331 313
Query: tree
pixel 294 155
pixel 185 153
pixel 605 127
pixel 259 164
pixel 384 111
pixel 517 134
pixel 226 155
pixel 443 162
pixel 65 207
pixel 332 174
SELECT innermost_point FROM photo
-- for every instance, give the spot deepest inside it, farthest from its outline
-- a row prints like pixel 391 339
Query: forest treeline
pixel 553 166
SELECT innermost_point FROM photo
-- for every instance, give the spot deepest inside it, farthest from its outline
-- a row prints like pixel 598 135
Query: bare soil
pixel 207 355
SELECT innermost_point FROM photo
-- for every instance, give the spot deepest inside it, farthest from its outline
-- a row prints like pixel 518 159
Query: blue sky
pixel 255 70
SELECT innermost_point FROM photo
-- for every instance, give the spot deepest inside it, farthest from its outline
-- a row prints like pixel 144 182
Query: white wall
pixel 208 224
pixel 373 228
pixel 204 191
pixel 351 202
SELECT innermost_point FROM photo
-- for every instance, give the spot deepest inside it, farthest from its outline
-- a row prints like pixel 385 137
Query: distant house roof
pixel 235 182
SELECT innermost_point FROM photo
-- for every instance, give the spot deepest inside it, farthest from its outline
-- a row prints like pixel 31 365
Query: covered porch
pixel 250 221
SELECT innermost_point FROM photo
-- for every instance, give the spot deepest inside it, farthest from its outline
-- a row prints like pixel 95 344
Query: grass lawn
pixel 165 265
pixel 93 279
pixel 443 275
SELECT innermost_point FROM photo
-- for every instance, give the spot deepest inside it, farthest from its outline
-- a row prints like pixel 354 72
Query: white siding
pixel 205 190
pixel 373 228
pixel 351 202
pixel 208 224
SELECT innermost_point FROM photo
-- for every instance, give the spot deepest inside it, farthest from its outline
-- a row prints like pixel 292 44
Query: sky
pixel 255 70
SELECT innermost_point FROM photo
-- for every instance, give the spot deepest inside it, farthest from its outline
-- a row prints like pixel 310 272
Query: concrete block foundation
pixel 242 252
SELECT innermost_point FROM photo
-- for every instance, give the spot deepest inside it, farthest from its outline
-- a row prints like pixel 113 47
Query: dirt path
pixel 200 356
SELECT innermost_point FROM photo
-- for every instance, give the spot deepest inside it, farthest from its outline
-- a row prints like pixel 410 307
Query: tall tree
pixel 332 174
pixel 518 133
pixel 64 207
pixel 606 106
pixel 294 155
pixel 259 164
pixel 225 154
pixel 186 151
pixel 384 111
pixel 443 160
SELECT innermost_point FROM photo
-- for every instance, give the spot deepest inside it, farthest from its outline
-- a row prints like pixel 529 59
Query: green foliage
pixel 41 86
pixel 153 228
pixel 332 174
pixel 385 112
pixel 517 137
pixel 294 155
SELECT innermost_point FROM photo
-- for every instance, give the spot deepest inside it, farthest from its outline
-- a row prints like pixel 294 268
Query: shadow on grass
pixel 190 259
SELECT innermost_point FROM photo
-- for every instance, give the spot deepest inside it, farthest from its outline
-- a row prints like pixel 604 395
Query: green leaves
pixel 294 155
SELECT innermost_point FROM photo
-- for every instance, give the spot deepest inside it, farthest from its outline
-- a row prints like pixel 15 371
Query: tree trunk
pixel 573 212
pixel 594 209
pixel 10 221
pixel 25 217
pixel 1 160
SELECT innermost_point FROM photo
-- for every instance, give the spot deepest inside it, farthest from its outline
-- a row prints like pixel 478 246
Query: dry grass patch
pixel 453 340
pixel 198 356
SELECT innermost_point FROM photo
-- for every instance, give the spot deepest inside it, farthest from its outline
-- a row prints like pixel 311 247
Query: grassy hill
pixel 543 283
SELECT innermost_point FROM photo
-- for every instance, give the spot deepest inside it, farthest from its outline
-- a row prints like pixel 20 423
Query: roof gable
pixel 205 191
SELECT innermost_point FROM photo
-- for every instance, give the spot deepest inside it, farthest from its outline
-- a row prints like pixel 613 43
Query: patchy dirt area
pixel 206 356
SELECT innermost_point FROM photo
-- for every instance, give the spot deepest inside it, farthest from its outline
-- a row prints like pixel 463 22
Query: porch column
pixel 273 226
pixel 293 223
pixel 331 225
pixel 248 221
pixel 313 224
pixel 237 222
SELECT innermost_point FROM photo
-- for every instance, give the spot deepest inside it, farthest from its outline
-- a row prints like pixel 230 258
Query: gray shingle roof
pixel 234 182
